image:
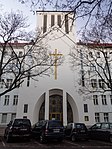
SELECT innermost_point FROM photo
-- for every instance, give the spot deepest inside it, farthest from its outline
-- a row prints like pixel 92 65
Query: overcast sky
pixel 14 5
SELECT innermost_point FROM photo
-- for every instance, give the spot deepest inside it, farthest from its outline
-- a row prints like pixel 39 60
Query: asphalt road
pixel 66 144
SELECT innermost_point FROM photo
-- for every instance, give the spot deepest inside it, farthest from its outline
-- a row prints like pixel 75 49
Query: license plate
pixel 82 131
pixel 23 129
pixel 56 130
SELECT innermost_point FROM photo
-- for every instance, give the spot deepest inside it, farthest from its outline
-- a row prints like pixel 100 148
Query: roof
pixel 15 44
pixel 95 44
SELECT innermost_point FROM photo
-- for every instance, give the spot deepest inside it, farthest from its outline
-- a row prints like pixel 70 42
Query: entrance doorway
pixel 56 115
pixel 55 110
pixel 56 107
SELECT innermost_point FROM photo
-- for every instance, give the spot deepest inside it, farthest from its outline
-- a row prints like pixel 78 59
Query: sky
pixel 14 5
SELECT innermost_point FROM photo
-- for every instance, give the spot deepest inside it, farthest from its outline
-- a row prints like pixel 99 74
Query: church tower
pixel 63 20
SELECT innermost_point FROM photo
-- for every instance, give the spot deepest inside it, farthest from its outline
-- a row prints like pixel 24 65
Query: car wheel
pixel 73 138
pixel 111 138
pixel 42 138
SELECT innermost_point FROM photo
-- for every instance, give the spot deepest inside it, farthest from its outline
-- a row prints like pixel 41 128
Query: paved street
pixel 66 144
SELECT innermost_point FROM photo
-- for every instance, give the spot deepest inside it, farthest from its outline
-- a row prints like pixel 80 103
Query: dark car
pixel 18 128
pixel 48 129
pixel 101 131
pixel 76 131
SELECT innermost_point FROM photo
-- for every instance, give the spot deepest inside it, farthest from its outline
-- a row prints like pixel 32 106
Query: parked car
pixel 101 131
pixel 48 129
pixel 75 131
pixel 18 128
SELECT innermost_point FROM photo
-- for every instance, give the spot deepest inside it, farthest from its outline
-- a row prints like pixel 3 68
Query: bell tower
pixel 61 19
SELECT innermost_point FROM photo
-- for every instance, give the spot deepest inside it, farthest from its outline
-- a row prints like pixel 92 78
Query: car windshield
pixel 18 122
pixel 55 124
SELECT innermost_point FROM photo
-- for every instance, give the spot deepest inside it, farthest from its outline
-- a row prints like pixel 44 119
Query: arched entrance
pixel 60 105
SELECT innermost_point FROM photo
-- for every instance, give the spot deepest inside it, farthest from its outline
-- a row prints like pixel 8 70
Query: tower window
pixel 45 24
pixel 52 20
pixel 59 20
pixel 66 24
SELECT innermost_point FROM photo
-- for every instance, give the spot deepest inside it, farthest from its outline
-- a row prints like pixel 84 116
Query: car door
pixel 94 131
pixel 105 131
pixel 37 129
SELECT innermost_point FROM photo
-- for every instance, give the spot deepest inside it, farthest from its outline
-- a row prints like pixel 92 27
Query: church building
pixel 55 96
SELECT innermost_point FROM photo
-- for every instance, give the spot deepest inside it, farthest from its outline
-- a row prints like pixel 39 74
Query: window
pixel 25 117
pixel 1 83
pixel 96 126
pixel 90 54
pixel 52 20
pixel 12 54
pixel 59 20
pixel 25 108
pixel 15 100
pixel 92 67
pixel 101 84
pixel 100 67
pixel 45 24
pixel 107 67
pixel 4 118
pixel 8 83
pixel 98 54
pixel 85 108
pixel 106 54
pixel 83 80
pixel 20 53
pixel 97 117
pixel 105 126
pixel 111 99
pixel 66 24
pixel 95 99
pixel 28 79
pixel 86 118
pixel 106 119
pixel 6 101
pixel 13 116
pixel 104 101
pixel 94 83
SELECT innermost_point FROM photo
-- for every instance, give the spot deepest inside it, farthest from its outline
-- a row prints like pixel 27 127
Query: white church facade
pixel 56 96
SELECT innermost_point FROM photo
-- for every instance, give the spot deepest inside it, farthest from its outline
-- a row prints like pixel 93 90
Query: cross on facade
pixel 55 63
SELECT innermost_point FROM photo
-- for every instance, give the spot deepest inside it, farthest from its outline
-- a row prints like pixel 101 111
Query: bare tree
pixel 81 8
pixel 94 56
pixel 20 60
